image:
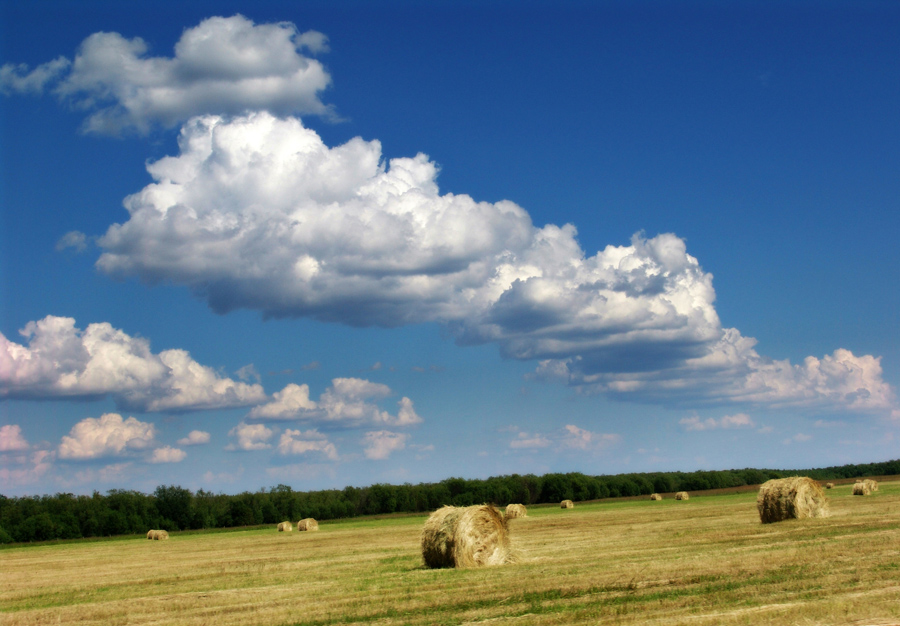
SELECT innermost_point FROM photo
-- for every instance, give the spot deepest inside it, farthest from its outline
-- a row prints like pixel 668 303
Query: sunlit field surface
pixel 707 560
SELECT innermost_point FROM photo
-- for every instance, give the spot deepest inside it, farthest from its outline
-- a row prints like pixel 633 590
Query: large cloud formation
pixel 257 212
pixel 62 361
pixel 224 65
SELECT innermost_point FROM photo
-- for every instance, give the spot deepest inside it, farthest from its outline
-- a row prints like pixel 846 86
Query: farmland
pixel 707 560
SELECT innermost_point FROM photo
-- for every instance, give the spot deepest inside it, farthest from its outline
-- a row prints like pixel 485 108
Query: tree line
pixel 170 507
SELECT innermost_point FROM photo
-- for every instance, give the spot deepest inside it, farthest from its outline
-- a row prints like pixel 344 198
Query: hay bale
pixel 157 534
pixel 285 527
pixel 873 484
pixel 682 495
pixel 655 496
pixel 516 510
pixel 308 524
pixel 567 504
pixel 790 498
pixel 829 485
pixel 470 536
pixel 150 534
pixel 862 488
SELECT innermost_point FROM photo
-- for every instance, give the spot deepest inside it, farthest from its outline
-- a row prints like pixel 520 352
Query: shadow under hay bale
pixel 655 496
pixel 682 495
pixel 516 510
pixel 567 504
pixel 471 536
pixel 285 527
pixel 157 534
pixel 790 498
pixel 308 524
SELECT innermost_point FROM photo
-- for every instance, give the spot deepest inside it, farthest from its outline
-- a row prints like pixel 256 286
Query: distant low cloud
pixel 168 454
pixel 62 361
pixel 224 65
pixel 11 439
pixel 270 218
pixel 570 437
pixel 347 402
pixel 194 438
pixel 106 436
pixel 72 239
pixel 250 437
pixel 301 442
pixel 379 445
pixel 739 420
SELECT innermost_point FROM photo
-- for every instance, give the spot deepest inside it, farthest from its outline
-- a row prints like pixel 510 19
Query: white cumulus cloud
pixel 168 454
pixel 108 435
pixel 224 65
pixel 380 444
pixel 301 442
pixel 11 439
pixel 250 437
pixel 62 361
pixel 739 420
pixel 194 438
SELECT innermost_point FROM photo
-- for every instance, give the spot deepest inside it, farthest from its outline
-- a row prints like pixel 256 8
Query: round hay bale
pixel 150 534
pixel 308 524
pixel 873 484
pixel 655 496
pixel 157 534
pixel 567 504
pixel 790 498
pixel 682 495
pixel 829 485
pixel 516 510
pixel 862 488
pixel 470 536
pixel 285 527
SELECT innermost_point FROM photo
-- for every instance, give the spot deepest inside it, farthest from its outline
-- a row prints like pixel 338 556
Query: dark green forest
pixel 122 512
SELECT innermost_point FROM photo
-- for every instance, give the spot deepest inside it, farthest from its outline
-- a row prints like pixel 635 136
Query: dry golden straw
pixel 862 488
pixel 829 485
pixel 873 485
pixel 157 534
pixel 682 495
pixel 285 527
pixel 308 524
pixel 567 504
pixel 516 510
pixel 655 496
pixel 469 536
pixel 790 498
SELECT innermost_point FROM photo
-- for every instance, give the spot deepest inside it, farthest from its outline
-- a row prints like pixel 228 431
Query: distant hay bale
pixel 655 496
pixel 285 527
pixel 157 534
pixel 308 524
pixel 873 484
pixel 470 536
pixel 567 504
pixel 862 488
pixel 516 510
pixel 150 534
pixel 682 495
pixel 829 485
pixel 790 498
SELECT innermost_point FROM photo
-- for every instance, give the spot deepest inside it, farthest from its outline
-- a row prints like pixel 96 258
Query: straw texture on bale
pixel 157 534
pixel 516 510
pixel 655 496
pixel 790 498
pixel 308 524
pixel 829 485
pixel 682 495
pixel 470 536
pixel 285 527
pixel 873 484
pixel 862 488
pixel 567 504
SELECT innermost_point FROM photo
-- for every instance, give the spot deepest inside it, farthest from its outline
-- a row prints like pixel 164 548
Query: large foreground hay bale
pixel 682 495
pixel 157 534
pixel 567 504
pixel 468 536
pixel 308 524
pixel 862 488
pixel 790 498
pixel 285 527
pixel 516 510
pixel 655 496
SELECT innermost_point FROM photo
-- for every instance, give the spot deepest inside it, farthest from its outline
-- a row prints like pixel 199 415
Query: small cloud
pixel 194 438
pixel 526 440
pixel 248 372
pixel 301 442
pixel 798 438
pixel 765 430
pixel 376 366
pixel 313 365
pixel 11 439
pixel 108 435
pixel 250 437
pixel 738 420
pixel 168 454
pixel 381 444
pixel 72 239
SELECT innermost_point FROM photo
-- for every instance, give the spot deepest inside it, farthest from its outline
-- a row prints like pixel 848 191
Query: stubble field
pixel 707 560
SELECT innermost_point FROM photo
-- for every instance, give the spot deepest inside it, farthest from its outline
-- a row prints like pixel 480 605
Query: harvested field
pixel 653 563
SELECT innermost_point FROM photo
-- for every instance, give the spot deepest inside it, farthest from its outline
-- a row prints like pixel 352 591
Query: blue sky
pixel 325 244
